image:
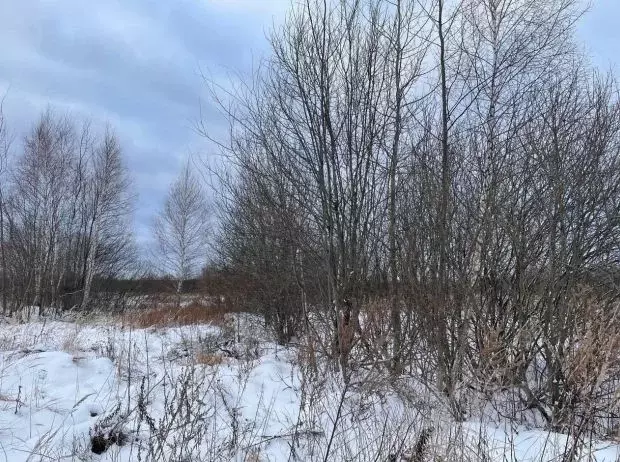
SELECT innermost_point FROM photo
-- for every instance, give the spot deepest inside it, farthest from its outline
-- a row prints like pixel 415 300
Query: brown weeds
pixel 209 359
pixel 194 313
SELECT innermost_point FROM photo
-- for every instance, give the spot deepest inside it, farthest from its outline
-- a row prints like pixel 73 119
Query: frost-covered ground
pixel 221 393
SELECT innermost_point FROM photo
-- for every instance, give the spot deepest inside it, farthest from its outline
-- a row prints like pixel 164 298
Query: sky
pixel 138 64
pixel 135 64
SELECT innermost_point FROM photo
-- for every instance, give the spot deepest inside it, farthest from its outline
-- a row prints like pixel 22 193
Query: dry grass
pixel 209 359
pixel 253 455
pixel 194 313
pixel 6 399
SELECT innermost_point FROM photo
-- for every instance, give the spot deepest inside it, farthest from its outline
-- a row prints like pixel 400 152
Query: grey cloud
pixel 132 63
pixel 135 64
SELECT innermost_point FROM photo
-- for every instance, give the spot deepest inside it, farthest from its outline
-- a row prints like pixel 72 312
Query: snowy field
pixel 104 391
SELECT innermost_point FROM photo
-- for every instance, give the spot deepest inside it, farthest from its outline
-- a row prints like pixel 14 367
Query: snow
pixel 531 445
pixel 61 383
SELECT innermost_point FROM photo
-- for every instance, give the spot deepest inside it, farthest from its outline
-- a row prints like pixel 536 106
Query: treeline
pixel 435 184
pixel 65 210
pixel 151 285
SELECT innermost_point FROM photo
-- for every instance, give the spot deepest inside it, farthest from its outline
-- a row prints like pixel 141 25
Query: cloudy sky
pixel 136 64
pixel 133 63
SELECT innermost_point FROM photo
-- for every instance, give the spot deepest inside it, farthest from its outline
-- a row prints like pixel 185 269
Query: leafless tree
pixel 407 48
pixel 5 143
pixel 449 162
pixel 65 206
pixel 107 203
pixel 181 229
pixel 40 197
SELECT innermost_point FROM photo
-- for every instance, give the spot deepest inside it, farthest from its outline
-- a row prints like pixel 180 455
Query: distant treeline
pixel 148 286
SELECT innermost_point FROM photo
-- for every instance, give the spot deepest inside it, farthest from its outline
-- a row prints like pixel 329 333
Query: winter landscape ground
pixel 222 389
pixel 396 240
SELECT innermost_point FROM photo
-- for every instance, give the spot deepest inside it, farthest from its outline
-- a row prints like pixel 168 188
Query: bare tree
pixel 40 197
pixel 5 143
pixel 407 47
pixel 65 215
pixel 450 162
pixel 106 202
pixel 181 229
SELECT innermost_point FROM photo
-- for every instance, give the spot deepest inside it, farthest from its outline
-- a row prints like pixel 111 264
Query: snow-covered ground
pixel 217 393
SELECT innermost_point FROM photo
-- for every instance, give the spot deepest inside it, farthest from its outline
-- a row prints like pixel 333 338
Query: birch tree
pixel 181 229
pixel 65 215
pixel 107 201
pixel 4 152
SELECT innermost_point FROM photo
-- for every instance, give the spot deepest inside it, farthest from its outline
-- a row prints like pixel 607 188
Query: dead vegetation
pixel 206 359
pixel 162 313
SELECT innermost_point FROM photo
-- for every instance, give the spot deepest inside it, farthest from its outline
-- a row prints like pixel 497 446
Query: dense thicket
pixel 65 209
pixel 436 183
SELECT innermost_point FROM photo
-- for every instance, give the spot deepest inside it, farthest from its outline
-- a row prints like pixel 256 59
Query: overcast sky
pixel 136 63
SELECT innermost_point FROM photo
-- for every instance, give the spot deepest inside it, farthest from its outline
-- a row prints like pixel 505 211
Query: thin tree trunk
pixel 3 257
pixel 90 264
pixel 394 301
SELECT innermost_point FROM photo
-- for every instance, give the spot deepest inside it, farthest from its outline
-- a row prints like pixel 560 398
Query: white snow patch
pixel 62 382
